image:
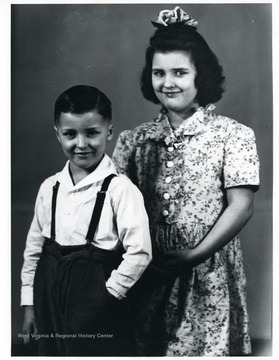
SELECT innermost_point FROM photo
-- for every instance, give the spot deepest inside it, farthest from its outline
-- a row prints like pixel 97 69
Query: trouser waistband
pixel 82 251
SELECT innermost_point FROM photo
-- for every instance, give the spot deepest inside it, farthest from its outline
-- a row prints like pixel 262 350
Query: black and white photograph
pixel 141 179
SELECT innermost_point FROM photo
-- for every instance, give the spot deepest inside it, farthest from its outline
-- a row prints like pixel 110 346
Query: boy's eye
pixel 92 132
pixel 68 134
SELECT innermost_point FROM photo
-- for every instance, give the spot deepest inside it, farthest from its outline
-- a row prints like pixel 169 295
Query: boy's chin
pixel 85 166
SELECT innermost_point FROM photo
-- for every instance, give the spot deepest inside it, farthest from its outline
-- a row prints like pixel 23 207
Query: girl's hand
pixel 179 260
pixel 29 324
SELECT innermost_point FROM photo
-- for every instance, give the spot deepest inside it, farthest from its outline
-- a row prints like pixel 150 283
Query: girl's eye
pixel 180 73
pixel 157 73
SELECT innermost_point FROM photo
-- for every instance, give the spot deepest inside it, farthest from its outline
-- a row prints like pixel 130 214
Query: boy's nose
pixel 81 142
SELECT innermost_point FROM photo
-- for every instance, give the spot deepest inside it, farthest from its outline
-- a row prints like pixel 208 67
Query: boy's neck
pixel 78 174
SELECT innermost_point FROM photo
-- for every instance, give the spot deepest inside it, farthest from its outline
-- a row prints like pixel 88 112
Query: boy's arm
pixel 133 229
pixel 32 251
pixel 29 324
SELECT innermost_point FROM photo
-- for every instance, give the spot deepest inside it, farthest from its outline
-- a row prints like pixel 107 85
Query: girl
pixel 197 171
pixel 73 257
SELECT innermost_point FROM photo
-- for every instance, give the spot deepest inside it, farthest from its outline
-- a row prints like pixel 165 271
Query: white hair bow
pixel 177 15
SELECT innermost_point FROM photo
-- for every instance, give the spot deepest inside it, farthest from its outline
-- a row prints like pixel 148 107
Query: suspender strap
pixel 98 209
pixel 53 209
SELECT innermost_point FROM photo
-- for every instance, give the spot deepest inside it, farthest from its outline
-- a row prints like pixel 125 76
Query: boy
pixel 73 258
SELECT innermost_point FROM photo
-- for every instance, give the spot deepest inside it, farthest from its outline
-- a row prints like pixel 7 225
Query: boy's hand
pixel 29 324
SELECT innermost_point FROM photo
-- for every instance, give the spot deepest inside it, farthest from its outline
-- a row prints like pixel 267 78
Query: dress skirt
pixel 202 312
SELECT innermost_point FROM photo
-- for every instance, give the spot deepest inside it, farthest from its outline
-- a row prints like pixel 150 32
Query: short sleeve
pixel 241 162
pixel 123 155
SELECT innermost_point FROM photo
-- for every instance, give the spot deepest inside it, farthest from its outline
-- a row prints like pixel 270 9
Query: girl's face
pixel 83 138
pixel 173 80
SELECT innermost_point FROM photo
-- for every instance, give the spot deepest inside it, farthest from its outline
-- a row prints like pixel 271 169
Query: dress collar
pixel 105 168
pixel 191 126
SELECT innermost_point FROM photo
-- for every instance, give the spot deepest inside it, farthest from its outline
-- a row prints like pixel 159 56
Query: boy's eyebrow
pixel 70 128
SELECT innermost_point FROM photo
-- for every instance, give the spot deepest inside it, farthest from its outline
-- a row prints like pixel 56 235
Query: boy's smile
pixel 83 138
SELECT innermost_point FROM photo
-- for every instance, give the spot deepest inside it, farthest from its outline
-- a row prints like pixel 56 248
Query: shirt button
pixel 67 212
pixel 168 179
pixel 166 196
pixel 170 164
pixel 165 213
pixel 170 148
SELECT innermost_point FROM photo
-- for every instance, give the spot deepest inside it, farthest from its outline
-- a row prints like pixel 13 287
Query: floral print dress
pixel 182 175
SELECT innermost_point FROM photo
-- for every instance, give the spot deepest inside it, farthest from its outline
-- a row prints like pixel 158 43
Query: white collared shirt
pixel 123 218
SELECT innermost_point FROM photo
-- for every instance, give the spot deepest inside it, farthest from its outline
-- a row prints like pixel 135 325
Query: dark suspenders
pixel 96 214
pixel 98 209
pixel 53 209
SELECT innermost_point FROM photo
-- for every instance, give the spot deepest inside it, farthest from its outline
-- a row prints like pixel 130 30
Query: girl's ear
pixel 57 134
pixel 110 132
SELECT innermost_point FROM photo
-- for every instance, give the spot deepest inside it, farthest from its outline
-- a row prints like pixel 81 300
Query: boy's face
pixel 83 138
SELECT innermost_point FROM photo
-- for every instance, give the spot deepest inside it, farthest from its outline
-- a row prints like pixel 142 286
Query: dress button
pixel 170 164
pixel 168 179
pixel 165 213
pixel 170 148
pixel 166 196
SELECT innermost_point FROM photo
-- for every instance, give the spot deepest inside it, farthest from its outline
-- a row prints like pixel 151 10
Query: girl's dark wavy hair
pixel 177 37
pixel 80 99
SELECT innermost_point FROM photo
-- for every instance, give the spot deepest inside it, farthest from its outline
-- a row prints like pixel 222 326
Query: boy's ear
pixel 110 132
pixel 57 133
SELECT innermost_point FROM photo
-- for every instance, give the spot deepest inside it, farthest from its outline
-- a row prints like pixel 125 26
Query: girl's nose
pixel 81 142
pixel 168 81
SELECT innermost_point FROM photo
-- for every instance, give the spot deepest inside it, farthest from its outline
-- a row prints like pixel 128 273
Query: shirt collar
pixel 190 126
pixel 105 168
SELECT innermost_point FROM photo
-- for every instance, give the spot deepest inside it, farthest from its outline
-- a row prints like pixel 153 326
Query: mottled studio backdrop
pixel 58 46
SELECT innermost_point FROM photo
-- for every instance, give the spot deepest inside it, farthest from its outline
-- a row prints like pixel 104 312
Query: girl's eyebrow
pixel 179 68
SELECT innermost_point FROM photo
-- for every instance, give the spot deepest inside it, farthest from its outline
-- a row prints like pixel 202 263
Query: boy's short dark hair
pixel 178 37
pixel 80 99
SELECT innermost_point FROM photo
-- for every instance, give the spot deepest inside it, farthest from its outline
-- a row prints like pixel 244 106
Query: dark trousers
pixel 75 314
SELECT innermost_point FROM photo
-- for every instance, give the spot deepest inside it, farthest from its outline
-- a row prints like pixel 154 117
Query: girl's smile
pixel 173 80
pixel 171 94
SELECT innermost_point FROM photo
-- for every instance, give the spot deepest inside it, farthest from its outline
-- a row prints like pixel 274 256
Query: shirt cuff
pixel 115 289
pixel 26 296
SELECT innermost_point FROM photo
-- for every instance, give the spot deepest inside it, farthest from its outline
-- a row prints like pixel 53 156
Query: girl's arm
pixel 236 215
pixel 122 156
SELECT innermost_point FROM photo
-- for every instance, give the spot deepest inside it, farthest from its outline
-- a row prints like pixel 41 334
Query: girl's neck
pixel 176 119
